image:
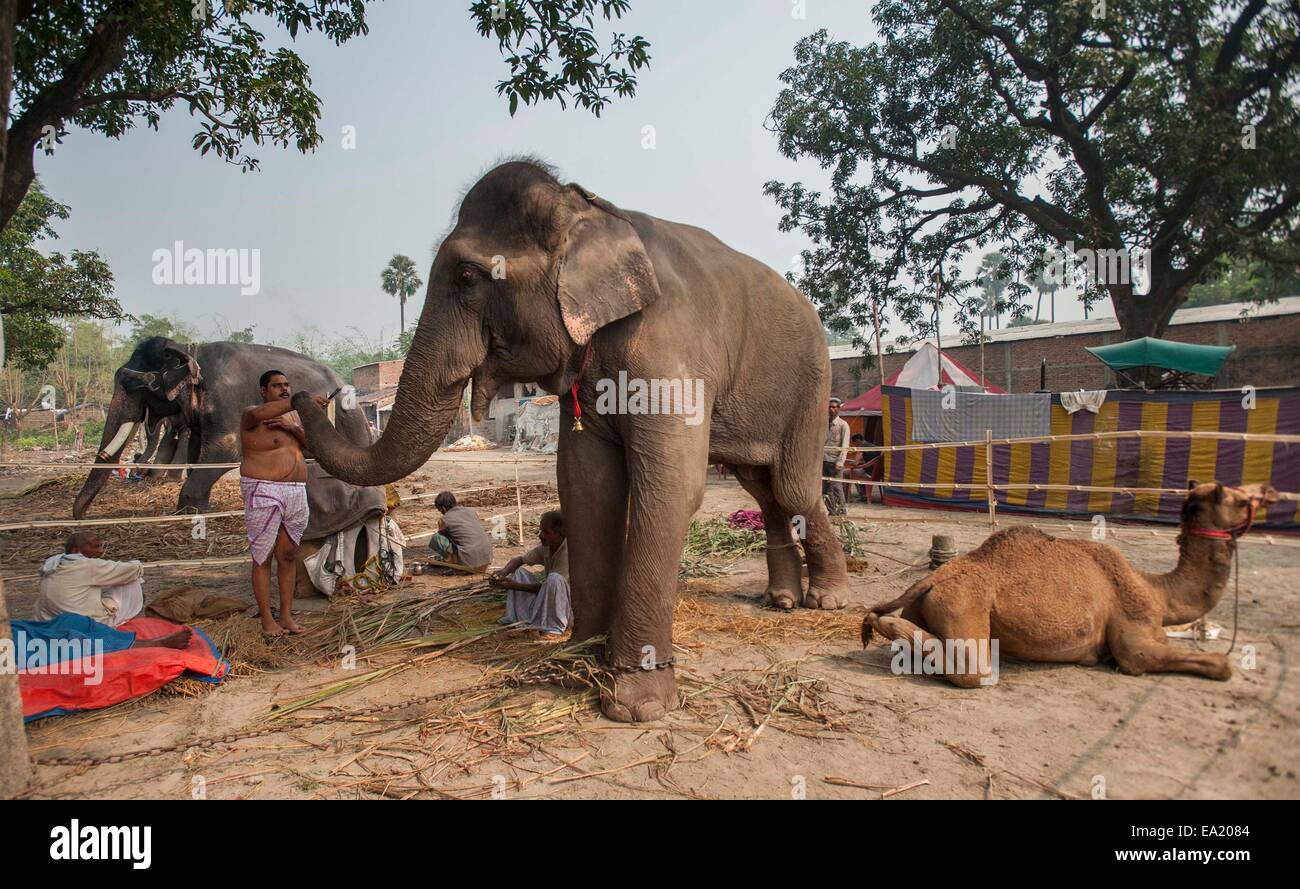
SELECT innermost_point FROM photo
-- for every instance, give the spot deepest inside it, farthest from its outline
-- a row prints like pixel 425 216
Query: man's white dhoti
pixel 129 598
pixel 548 609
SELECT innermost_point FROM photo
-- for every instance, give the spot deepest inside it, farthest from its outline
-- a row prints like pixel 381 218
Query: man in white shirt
pixel 837 443
pixel 81 581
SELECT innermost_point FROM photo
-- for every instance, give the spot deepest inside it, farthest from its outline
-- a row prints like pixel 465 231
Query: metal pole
pixel 519 504
pixel 875 321
pixel 989 493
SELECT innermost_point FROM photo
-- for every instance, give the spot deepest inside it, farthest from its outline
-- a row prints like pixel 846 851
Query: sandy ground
pixel 1043 731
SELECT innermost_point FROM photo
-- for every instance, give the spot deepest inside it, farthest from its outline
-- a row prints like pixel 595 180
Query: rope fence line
pixel 120 520
pixel 541 507
pixel 190 517
pixel 1076 436
pixel 1132 535
pixel 1027 487
pixel 222 561
pixel 167 467
pixel 991 488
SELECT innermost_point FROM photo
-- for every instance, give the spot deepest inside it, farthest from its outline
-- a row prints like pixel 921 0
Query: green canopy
pixel 1149 351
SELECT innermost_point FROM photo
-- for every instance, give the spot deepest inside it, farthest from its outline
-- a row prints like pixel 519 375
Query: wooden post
pixel 989 493
pixel 519 503
pixel 15 767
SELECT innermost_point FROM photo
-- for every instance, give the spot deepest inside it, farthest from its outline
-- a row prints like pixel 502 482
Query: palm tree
pixel 993 283
pixel 1046 282
pixel 400 280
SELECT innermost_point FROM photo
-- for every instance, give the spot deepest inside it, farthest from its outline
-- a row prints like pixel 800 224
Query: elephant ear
pixel 604 272
pixel 183 371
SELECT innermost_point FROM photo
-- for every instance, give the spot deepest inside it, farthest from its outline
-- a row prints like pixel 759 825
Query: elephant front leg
pixel 640 648
pixel 198 485
pixel 593 495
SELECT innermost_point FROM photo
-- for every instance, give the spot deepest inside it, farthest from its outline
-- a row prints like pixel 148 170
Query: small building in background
pixel 376 384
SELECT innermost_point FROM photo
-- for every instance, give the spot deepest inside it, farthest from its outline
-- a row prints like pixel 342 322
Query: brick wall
pixel 380 375
pixel 1267 354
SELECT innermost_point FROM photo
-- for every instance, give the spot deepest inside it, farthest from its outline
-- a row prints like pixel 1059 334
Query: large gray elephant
pixel 544 282
pixel 201 391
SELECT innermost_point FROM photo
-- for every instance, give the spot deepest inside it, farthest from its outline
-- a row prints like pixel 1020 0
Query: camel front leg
pixel 962 661
pixel 1143 649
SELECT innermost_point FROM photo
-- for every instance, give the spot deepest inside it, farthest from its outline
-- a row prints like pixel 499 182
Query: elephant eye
pixel 469 273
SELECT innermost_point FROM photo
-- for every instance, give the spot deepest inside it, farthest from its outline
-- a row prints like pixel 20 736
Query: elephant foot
pixel 825 599
pixel 779 597
pixel 643 696
pixel 581 676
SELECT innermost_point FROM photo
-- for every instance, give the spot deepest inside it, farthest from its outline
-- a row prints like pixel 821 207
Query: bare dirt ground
pixel 775 705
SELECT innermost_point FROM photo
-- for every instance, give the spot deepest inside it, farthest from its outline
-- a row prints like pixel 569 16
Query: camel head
pixel 1214 507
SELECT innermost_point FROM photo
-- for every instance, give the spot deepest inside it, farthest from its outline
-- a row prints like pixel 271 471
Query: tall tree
pixel 109 65
pixel 1244 281
pixel 1045 282
pixel 400 279
pixel 993 282
pixel 38 288
pixel 1164 127
pixel 15 764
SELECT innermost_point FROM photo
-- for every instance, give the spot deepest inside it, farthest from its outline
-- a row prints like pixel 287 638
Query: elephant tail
pixel 914 593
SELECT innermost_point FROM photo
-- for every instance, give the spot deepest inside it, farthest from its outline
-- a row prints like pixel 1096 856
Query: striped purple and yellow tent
pixel 953 478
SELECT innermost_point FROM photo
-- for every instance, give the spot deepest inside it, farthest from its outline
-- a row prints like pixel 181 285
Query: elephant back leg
pixel 796 487
pixel 784 571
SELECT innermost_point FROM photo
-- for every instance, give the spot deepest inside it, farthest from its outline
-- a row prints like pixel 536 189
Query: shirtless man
pixel 273 482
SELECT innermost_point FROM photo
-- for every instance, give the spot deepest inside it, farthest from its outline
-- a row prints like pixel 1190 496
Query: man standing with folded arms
pixel 273 482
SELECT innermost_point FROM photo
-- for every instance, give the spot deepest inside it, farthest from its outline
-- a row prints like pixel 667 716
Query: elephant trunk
pixel 124 412
pixel 428 399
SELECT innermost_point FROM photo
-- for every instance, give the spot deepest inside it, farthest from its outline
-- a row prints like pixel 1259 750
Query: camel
pixel 1040 598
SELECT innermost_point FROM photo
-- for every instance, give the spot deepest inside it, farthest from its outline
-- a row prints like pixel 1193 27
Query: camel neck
pixel 1197 582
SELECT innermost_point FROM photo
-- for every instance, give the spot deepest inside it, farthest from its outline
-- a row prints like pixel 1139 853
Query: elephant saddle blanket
pixel 267 507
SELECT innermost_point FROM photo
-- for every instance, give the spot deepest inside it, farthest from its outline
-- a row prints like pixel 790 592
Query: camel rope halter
pixel 1252 504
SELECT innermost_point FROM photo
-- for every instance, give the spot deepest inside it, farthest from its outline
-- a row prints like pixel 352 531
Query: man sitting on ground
pixel 81 581
pixel 461 539
pixel 540 600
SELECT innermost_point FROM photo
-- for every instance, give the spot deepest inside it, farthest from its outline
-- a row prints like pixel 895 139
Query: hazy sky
pixel 419 89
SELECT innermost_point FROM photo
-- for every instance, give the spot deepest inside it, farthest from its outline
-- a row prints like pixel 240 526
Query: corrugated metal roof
pixel 1201 315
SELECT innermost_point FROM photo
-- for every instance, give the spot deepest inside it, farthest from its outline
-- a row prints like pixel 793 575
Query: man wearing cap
pixel 837 444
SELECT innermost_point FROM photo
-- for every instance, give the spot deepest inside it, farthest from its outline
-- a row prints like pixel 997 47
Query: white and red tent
pixel 927 369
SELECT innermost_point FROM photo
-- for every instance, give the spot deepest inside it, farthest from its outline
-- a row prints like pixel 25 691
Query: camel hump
pixel 1017 537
